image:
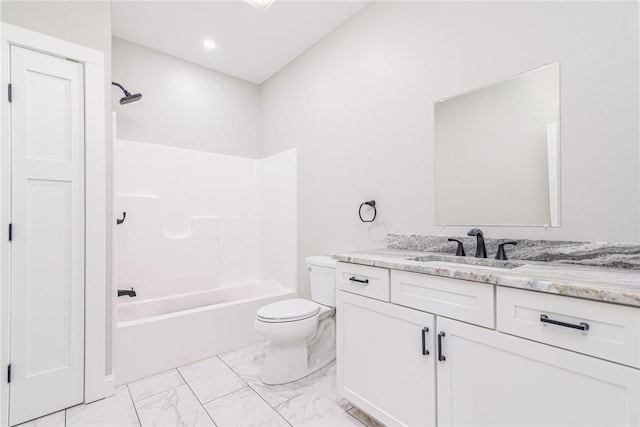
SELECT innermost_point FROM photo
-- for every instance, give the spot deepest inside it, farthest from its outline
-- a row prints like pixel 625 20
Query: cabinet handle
pixel 441 357
pixel 582 326
pixel 353 279
pixel 425 352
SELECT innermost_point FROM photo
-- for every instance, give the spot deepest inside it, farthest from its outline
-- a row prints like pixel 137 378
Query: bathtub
pixel 158 331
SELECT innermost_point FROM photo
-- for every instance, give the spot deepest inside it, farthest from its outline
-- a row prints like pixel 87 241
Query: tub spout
pixel 122 292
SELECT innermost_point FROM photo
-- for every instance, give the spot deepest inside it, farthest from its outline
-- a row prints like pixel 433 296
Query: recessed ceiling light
pixel 260 4
pixel 209 44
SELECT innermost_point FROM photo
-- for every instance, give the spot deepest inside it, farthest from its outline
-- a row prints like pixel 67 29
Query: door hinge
pixel 10 93
pixel 10 232
pixel 9 373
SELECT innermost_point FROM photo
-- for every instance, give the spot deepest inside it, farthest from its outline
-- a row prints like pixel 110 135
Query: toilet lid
pixel 288 310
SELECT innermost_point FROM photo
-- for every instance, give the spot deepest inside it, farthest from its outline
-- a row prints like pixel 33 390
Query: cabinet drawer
pixel 470 302
pixel 372 282
pixel 599 329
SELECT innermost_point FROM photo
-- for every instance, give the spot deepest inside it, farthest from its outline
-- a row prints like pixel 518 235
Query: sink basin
pixel 456 261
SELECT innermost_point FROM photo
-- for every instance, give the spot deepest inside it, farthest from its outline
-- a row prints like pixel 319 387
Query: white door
pixel 47 247
pixel 492 379
pixel 381 362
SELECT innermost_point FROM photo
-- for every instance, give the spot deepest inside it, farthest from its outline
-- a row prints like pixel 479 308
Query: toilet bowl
pixel 301 332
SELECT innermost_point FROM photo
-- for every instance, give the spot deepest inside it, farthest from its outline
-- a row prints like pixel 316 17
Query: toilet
pixel 301 333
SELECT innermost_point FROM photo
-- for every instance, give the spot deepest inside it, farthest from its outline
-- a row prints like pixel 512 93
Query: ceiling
pixel 250 44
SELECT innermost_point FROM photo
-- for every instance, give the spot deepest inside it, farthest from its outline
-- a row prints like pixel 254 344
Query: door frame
pixel 98 383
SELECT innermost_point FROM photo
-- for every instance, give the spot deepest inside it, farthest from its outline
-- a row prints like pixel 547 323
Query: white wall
pixel 183 104
pixel 85 23
pixel 359 108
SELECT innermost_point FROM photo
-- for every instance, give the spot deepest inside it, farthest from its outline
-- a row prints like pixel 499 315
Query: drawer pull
pixel 441 357
pixel 425 352
pixel 354 279
pixel 582 326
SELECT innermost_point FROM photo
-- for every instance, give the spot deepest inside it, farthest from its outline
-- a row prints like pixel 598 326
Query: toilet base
pixel 290 360
pixel 287 361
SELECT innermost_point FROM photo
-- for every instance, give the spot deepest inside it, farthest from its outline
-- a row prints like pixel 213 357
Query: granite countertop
pixel 612 285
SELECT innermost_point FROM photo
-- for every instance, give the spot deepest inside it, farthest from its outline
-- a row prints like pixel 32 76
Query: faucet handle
pixel 460 250
pixel 502 255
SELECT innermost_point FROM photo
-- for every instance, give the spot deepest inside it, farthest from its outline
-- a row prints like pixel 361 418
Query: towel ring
pixel 120 221
pixel 371 203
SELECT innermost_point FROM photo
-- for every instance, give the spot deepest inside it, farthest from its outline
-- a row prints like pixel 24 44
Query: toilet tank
pixel 322 276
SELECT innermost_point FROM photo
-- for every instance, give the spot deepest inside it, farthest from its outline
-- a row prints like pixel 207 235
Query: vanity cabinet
pixel 381 362
pixel 449 352
pixel 494 379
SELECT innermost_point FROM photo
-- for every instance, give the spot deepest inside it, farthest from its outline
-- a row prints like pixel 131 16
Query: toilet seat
pixel 291 310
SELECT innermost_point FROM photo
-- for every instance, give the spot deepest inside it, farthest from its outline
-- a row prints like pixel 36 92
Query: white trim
pixel 97 383
pixel 114 245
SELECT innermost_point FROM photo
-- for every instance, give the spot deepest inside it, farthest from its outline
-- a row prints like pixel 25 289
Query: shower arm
pixel 126 92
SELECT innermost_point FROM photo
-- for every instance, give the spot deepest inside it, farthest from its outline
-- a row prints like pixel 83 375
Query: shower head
pixel 128 97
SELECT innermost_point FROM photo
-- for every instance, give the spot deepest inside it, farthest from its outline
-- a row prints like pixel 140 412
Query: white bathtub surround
pixel 277 205
pixel 165 399
pixel 207 240
pixel 191 212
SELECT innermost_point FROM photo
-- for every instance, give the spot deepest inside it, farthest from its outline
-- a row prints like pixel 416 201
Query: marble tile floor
pixel 224 390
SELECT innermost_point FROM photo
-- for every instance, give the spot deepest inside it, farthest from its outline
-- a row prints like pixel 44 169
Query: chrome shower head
pixel 128 97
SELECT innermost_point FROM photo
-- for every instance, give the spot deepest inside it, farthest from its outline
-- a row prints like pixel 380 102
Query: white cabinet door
pixel 381 362
pixel 491 379
pixel 47 250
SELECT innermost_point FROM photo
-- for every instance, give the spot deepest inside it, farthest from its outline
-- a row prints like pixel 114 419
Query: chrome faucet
pixel 481 249
pixel 126 292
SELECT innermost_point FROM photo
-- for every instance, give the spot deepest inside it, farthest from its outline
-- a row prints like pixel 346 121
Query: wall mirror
pixel 497 153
